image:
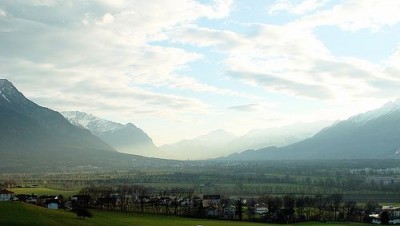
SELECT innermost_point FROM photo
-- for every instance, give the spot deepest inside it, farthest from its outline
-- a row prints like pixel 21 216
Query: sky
pixel 181 68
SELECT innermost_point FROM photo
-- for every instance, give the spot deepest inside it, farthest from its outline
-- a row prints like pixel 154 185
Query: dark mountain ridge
pixel 35 136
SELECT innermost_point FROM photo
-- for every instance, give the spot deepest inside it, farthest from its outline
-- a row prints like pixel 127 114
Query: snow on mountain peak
pixel 10 94
pixel 7 89
pixel 388 108
pixel 90 122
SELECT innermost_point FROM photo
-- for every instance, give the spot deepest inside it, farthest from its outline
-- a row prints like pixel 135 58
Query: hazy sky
pixel 180 68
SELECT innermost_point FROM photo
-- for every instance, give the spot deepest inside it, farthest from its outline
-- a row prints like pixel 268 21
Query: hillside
pixel 35 136
pixel 213 144
pixel 125 138
pixel 221 143
pixel 25 214
pixel 374 134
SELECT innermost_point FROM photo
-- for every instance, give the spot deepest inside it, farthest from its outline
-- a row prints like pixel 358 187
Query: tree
pixel 288 204
pixel 371 205
pixel 350 207
pixel 384 217
pixel 274 204
pixel 309 204
pixel 335 200
pixel 300 204
pixel 239 208
pixel 320 203
pixel 82 212
pixel 251 205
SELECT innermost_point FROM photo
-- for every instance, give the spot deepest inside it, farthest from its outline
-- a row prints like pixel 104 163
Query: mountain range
pixel 124 138
pixel 221 143
pixel 32 135
pixel 213 144
pixel 371 135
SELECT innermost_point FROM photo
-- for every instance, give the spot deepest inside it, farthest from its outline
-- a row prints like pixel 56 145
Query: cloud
pixel 105 44
pixel 355 15
pixel 293 7
pixel 245 108
pixel 290 58
pixel 204 37
pixel 134 59
pixel 3 13
pixel 107 19
pixel 276 84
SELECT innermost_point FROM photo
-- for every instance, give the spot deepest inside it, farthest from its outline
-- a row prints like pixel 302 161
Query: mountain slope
pixel 374 134
pixel 278 136
pixel 213 144
pixel 31 135
pixel 124 138
pixel 221 143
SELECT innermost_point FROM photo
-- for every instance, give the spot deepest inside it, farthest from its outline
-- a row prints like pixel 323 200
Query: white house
pixel 261 210
pixel 6 195
pixel 53 205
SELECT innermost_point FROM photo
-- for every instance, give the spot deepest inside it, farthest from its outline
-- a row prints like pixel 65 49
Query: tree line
pixel 185 202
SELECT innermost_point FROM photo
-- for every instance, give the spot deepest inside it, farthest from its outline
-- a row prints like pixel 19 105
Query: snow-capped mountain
pixel 388 108
pixel 91 122
pixel 32 135
pixel 374 134
pixel 125 138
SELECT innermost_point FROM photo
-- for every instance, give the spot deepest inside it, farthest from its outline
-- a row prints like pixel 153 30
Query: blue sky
pixel 179 69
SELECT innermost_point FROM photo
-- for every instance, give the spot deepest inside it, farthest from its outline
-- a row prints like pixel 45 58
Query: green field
pixel 43 191
pixel 15 213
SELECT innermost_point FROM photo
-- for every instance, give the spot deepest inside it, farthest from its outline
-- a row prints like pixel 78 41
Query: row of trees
pixel 184 202
pixel 290 208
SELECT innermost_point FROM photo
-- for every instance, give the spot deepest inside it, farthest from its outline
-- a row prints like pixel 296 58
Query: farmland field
pixel 14 213
pixel 43 191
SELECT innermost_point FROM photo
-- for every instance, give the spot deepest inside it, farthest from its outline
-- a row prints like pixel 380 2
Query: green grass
pixel 15 213
pixel 43 191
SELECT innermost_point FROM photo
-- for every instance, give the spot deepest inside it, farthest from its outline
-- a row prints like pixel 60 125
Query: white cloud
pixel 2 13
pixel 355 15
pixel 44 2
pixel 287 59
pixel 293 7
pixel 107 19
pixel 105 54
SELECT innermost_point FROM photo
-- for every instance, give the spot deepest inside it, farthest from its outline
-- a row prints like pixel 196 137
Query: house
pixel 53 204
pixel 394 211
pixel 32 198
pixel 81 200
pixel 6 195
pixel 210 200
pixel 261 210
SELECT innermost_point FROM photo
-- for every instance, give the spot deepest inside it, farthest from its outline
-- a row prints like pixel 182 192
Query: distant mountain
pixel 221 143
pixel 374 134
pixel 124 138
pixel 278 136
pixel 34 136
pixel 209 145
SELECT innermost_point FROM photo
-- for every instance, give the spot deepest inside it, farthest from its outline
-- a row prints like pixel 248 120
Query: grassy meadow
pixel 15 213
pixel 43 191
